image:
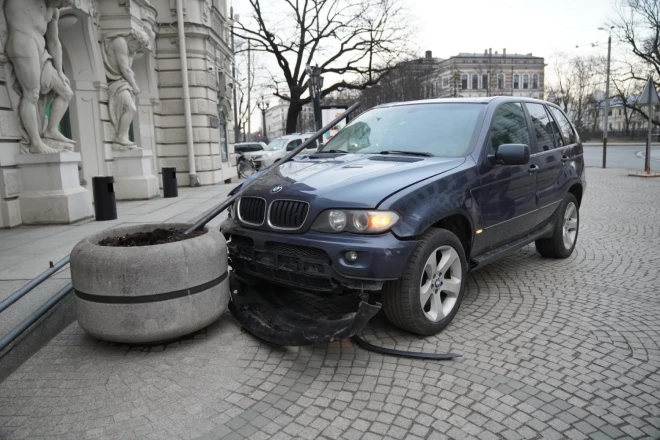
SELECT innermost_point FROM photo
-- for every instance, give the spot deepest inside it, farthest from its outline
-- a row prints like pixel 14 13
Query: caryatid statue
pixel 118 53
pixel 35 53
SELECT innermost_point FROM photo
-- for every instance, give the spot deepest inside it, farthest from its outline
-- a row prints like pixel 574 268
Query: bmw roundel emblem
pixel 276 189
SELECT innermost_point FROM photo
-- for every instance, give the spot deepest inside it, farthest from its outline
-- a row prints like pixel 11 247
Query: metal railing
pixel 44 308
pixel 41 311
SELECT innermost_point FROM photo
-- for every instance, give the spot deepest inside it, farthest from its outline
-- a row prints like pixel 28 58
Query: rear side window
pixel 542 128
pixel 509 126
pixel 565 128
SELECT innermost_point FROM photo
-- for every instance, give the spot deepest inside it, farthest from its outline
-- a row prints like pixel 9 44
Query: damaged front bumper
pixel 315 261
pixel 269 319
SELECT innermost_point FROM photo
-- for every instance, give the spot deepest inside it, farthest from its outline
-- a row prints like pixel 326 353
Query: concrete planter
pixel 149 293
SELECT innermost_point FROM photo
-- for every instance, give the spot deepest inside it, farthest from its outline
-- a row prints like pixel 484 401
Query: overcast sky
pixel 521 26
pixel 543 27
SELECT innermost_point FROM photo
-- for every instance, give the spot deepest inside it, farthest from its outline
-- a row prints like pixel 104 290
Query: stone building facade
pixel 487 74
pixel 158 130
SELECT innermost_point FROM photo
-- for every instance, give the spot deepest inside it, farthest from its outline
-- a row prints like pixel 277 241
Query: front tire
pixel 565 234
pixel 427 297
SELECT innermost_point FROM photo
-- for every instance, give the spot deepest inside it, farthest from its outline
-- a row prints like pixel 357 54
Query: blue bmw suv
pixel 408 198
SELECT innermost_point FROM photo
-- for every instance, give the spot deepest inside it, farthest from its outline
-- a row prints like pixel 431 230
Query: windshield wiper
pixel 410 153
pixel 332 151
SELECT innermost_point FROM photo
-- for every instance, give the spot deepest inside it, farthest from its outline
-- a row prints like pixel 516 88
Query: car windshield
pixel 442 129
pixel 277 144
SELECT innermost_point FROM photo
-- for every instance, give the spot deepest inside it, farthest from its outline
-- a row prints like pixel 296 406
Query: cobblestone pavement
pixel 551 349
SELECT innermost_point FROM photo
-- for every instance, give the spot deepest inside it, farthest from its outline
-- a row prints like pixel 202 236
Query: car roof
pixel 481 100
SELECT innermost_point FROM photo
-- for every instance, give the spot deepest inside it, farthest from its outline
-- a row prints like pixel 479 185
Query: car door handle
pixel 565 158
pixel 533 168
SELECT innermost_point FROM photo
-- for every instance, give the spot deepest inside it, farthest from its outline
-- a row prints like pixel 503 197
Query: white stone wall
pixel 159 124
pixel 209 65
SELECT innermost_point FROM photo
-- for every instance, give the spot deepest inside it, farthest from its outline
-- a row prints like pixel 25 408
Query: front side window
pixel 464 82
pixel 516 81
pixel 509 126
pixel 535 81
pixel 277 144
pixel 525 81
pixel 565 128
pixel 293 144
pixel 439 129
pixel 475 81
pixel 542 128
pixel 500 81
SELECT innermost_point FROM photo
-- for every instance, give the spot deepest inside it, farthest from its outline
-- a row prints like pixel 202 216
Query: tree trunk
pixel 295 107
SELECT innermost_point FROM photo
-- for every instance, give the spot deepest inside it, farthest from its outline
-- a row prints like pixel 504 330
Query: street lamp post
pixel 234 79
pixel 315 87
pixel 607 94
pixel 263 106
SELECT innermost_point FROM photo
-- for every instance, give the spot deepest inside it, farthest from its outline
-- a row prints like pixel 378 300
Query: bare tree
pixel 638 25
pixel 577 80
pixel 627 90
pixel 354 42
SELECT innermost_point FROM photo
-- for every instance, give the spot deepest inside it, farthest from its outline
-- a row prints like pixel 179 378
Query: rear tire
pixel 435 274
pixel 565 234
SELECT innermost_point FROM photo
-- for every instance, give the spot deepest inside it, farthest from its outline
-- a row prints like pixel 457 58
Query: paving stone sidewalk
pixel 557 349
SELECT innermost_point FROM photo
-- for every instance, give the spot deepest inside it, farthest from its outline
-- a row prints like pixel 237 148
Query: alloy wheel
pixel 441 282
pixel 570 225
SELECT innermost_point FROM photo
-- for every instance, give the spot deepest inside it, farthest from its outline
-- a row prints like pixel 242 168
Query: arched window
pixel 535 81
pixel 516 81
pixel 500 81
pixel 484 82
pixel 464 82
pixel 525 81
pixel 475 81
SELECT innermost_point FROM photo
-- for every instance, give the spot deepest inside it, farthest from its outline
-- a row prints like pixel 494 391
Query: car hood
pixel 347 181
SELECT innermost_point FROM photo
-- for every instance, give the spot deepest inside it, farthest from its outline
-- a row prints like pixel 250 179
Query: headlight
pixel 356 221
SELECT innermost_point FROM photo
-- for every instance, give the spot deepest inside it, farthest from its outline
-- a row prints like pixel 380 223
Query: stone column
pixel 133 177
pixel 51 191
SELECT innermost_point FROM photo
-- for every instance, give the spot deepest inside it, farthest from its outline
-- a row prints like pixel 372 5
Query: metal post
pixel 192 170
pixel 607 100
pixel 315 86
pixel 249 108
pixel 647 161
pixel 237 131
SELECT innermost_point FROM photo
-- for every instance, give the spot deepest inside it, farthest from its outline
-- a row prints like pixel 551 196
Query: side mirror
pixel 511 154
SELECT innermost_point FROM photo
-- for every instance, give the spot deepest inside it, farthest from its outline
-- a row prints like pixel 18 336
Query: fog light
pixel 351 256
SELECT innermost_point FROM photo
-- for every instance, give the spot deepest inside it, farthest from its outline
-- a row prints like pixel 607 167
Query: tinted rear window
pixel 245 148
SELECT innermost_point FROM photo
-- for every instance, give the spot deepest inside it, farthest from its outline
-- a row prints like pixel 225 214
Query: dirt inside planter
pixel 157 236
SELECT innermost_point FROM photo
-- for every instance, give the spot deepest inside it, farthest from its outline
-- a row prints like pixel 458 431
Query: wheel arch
pixel 577 190
pixel 460 225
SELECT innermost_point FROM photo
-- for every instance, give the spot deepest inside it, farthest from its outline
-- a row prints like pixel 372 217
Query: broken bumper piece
pixel 267 318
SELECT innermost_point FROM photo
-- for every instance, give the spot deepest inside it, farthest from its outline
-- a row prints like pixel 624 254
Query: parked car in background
pixel 278 148
pixel 408 198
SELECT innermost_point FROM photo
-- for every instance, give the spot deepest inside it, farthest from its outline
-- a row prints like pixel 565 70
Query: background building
pixel 159 125
pixel 487 74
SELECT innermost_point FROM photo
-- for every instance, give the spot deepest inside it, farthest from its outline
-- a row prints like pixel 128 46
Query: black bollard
pixel 170 185
pixel 105 205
